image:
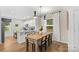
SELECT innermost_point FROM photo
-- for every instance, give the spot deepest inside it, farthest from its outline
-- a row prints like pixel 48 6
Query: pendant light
pixel 40 10
pixel 44 17
pixel 35 14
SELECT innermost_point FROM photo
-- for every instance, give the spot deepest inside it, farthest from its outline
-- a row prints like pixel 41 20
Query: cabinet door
pixel 56 27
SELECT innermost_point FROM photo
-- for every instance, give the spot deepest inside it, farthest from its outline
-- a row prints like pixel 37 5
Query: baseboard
pixel 61 41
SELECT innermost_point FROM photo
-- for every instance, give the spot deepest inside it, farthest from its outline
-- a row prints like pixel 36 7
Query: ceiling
pixel 25 12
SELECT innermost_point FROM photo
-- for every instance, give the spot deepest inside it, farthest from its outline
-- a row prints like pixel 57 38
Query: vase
pixel 40 32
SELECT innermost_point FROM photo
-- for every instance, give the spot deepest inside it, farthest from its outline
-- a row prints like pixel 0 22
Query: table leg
pixel 45 45
pixel 36 46
pixel 33 47
pixel 27 45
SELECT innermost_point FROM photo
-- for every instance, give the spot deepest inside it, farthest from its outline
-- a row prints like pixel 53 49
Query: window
pixel 49 25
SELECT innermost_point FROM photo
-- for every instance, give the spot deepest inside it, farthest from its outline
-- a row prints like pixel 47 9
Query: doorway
pixel 5 28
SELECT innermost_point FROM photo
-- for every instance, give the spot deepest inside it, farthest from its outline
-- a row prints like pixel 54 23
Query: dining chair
pixel 49 39
pixel 43 44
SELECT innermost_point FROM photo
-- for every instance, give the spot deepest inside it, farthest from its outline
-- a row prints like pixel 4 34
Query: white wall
pixel 56 26
pixel 63 26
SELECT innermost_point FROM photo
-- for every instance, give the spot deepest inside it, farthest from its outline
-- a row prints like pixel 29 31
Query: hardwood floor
pixel 11 45
pixel 58 47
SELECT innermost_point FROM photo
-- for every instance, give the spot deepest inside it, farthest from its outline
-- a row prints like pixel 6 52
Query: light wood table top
pixel 37 36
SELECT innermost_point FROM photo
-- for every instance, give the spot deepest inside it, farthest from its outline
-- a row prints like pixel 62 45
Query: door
pixel 56 27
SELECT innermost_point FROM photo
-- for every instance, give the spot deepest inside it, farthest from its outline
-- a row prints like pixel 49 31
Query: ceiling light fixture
pixel 35 14
pixel 40 10
pixel 44 17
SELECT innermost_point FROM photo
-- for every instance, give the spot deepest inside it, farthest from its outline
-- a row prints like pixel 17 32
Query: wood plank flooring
pixel 11 45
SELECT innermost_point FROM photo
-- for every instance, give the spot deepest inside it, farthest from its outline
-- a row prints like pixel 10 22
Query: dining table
pixel 34 38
